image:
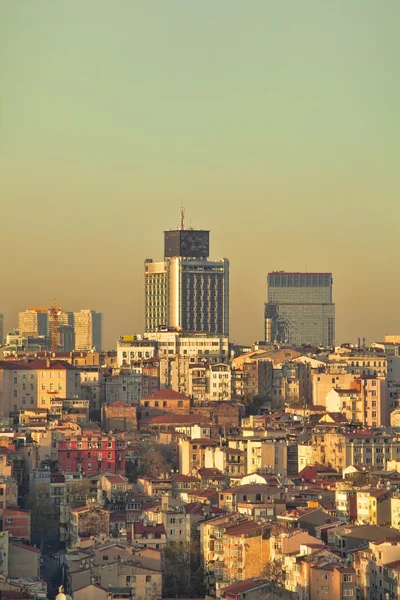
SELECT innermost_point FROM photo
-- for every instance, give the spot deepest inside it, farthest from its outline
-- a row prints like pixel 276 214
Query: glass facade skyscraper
pixel 300 310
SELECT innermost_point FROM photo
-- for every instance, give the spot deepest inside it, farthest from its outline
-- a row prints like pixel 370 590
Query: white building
pixel 88 325
pixel 33 322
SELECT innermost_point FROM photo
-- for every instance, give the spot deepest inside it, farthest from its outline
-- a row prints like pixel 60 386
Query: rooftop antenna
pixel 182 211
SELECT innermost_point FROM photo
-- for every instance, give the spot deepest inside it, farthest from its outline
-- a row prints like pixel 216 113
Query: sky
pixel 276 125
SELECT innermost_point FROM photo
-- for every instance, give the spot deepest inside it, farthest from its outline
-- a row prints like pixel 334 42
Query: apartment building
pixel 92 453
pixel 192 454
pixel 341 450
pixel 88 521
pixel 18 387
pixel 165 401
pixel 378 567
pixel 88 326
pixel 364 402
pixel 55 379
pixel 346 502
pixel 374 506
pixel 333 580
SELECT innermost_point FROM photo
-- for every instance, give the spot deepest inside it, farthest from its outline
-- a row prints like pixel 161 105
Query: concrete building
pixel 125 387
pixel 186 290
pixel 300 309
pixel 118 416
pixel 168 346
pixel 341 450
pixel 18 387
pixel 33 322
pixel 365 402
pixel 55 379
pixel 88 325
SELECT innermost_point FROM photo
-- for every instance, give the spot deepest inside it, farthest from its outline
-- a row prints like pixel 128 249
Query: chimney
pixel 48 362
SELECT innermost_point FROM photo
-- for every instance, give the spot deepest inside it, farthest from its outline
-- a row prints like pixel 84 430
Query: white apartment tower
pixel 33 322
pixel 88 325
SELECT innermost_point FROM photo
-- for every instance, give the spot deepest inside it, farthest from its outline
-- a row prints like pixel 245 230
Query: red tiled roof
pixel 166 395
pixel 174 419
pixel 181 477
pixel 145 530
pixel 244 586
pixel 116 479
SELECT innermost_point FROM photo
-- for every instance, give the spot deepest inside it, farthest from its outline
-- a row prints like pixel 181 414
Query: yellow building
pixel 373 506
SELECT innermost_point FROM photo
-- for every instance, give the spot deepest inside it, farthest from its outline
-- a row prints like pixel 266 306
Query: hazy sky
pixel 276 123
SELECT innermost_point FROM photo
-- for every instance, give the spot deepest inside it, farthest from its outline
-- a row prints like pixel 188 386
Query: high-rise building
pixel 88 325
pixel 186 290
pixel 1 329
pixel 33 322
pixel 300 309
pixel 65 329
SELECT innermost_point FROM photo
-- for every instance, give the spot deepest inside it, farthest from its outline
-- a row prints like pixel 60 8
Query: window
pixel 347 578
pixel 148 591
pixel 15 394
pixel 105 557
pixel 148 578
pixel 325 589
pixel 131 579
pixel 348 593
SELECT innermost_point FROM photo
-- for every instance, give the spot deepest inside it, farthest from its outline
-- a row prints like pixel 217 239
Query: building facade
pixel 33 322
pixel 187 290
pixel 300 309
pixel 88 325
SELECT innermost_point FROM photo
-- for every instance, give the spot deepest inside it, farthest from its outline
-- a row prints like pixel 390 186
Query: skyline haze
pixel 275 124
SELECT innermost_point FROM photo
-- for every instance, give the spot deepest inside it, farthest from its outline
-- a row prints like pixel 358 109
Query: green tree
pixel 183 573
pixel 44 517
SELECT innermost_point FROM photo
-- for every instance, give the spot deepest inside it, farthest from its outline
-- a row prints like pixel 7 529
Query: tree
pixel 252 403
pixel 154 459
pixel 273 571
pixel 184 575
pixel 44 518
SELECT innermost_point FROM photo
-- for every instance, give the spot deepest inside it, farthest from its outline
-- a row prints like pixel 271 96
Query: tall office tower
pixel 1 330
pixel 65 328
pixel 300 309
pixel 186 290
pixel 33 322
pixel 88 325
